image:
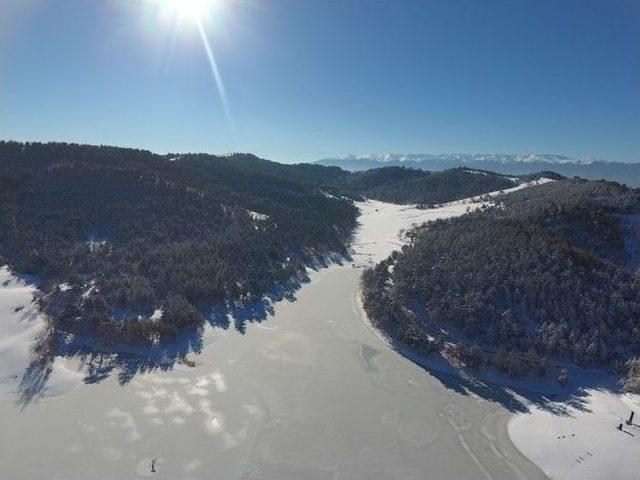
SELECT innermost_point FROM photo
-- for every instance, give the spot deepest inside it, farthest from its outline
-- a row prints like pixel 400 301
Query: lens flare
pixel 197 11
pixel 214 70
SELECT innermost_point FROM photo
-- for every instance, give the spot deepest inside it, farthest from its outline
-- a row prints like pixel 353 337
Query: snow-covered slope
pixel 20 327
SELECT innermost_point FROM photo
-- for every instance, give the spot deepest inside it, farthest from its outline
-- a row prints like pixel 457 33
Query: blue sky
pixel 307 79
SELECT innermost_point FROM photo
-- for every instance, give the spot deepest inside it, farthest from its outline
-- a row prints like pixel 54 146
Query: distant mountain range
pixel 517 164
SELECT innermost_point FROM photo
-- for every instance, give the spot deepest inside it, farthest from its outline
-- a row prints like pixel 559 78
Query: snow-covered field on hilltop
pixel 380 222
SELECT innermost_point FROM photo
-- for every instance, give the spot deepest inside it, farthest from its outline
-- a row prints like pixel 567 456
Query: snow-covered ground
pixel 581 441
pixel 20 327
pixel 258 216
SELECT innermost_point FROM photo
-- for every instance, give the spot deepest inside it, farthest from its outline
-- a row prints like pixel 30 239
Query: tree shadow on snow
pixel 100 361
pixel 519 394
pixel 253 311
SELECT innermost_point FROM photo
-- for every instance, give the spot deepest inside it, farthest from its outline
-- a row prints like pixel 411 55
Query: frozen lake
pixel 313 392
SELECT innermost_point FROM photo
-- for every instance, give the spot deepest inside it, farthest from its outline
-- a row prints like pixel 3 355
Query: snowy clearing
pixel 257 216
pixel 583 442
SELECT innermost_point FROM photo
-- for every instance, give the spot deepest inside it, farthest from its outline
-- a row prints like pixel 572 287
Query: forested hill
pixel 117 233
pixel 405 185
pixel 433 187
pixel 551 271
pixel 126 231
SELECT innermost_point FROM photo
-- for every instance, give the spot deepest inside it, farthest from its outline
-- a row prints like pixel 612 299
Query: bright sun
pixel 193 9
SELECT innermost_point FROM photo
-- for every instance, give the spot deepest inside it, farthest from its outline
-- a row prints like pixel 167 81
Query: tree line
pixel 545 273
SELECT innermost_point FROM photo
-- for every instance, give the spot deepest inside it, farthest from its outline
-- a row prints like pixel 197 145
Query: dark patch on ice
pixel 367 352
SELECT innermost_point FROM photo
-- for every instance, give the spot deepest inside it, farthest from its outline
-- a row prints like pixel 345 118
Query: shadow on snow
pixel 98 362
pixel 517 395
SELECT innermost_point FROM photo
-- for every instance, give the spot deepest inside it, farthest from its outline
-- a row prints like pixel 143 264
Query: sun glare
pixel 199 13
pixel 192 9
